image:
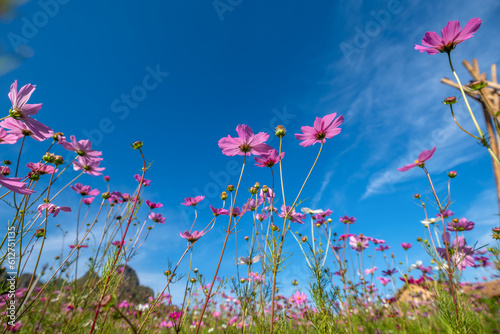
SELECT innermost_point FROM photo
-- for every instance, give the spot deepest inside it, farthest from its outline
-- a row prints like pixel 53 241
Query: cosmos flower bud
pixel 230 187
pixel 7 162
pixel 57 258
pixel 304 239
pixel 253 190
pixel 242 280
pixel 275 228
pixel 40 233
pixel 106 195
pixel 49 157
pixel 295 282
pixel 223 196
pixel 417 196
pixel 150 228
pixel 106 178
pixel 167 273
pixel 5 170
pixel 256 185
pixel 193 280
pixel 246 238
pixel 450 100
pixel 478 85
pixel 452 174
pixel 58 160
pixel 195 270
pixel 265 189
pixel 280 131
pixel 496 230
pixel 137 145
pixel 57 135
pixel 419 239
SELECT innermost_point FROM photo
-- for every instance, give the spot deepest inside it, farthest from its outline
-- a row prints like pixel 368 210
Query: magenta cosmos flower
pixel 192 237
pixel 326 127
pixel 246 143
pixel 22 110
pixel 14 184
pixel 88 167
pixel 153 205
pixel 19 129
pixel 52 208
pixel 451 36
pixel 422 158
pixel 83 148
pixel 84 190
pixel 269 159
pixel 157 218
pixel 7 138
pixel 192 201
pixel 406 245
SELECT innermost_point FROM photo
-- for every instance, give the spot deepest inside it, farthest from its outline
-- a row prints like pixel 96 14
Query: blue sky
pixel 181 75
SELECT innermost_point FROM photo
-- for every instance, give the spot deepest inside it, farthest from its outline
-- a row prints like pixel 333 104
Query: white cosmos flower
pixel 428 222
pixel 246 260
pixel 308 211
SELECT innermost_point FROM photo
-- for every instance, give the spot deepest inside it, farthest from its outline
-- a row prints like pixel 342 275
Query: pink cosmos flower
pixel 83 148
pixel 157 218
pixel 14 184
pixel 89 167
pixel 370 271
pixel 192 201
pixel 39 168
pixel 52 208
pixel 266 196
pixel 7 138
pixel 389 272
pixel 88 200
pixel 326 127
pixel 78 246
pixel 107 178
pixel 192 237
pixel 383 280
pixel 461 225
pixel 246 143
pixel 153 205
pixel 298 298
pixel 84 190
pixel 406 245
pixel 20 129
pixel 218 212
pixel 422 158
pixel 21 110
pixel 358 243
pixel 347 220
pixel 382 248
pixel 145 182
pixel 462 255
pixel 293 216
pixel 261 216
pixel 451 36
pixel 118 243
pixel 445 214
pixel 269 159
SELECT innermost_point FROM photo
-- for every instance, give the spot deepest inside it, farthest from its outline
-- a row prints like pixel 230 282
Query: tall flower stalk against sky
pixel 245 144
pixel 451 37
pixel 136 145
pixel 326 127
pixel 426 155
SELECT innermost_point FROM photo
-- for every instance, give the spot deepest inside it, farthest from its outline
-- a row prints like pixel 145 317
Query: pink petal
pixel 13 92
pixel 24 94
pixel 244 132
pixel 31 109
pixel 407 167
pixel 432 39
pixel 450 32
pixel 426 155
pixel 470 28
